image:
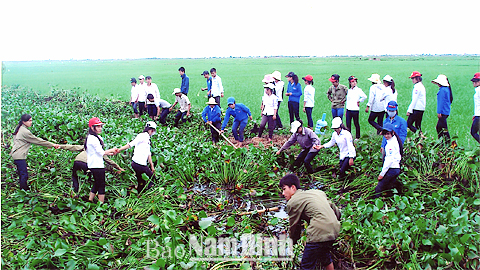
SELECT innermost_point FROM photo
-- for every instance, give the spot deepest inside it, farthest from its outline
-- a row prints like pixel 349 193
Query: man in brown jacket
pixel 323 217
pixel 337 94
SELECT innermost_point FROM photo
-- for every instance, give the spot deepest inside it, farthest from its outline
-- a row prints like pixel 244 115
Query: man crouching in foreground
pixel 322 215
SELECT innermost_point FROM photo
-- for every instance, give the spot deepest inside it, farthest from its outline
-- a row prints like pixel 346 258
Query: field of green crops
pixel 209 192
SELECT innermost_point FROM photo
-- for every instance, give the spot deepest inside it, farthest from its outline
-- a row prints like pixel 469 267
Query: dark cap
pixel 334 78
pixel 150 96
pixel 133 80
pixel 148 77
pixel 205 72
pixel 290 74
pixel 351 78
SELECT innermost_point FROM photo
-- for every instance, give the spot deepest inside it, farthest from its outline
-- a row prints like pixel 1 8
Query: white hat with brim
pixel 211 101
pixel 336 122
pixel 294 126
pixel 176 90
pixel 388 78
pixel 374 78
pixel 442 80
pixel 277 75
pixel 141 77
pixel 269 85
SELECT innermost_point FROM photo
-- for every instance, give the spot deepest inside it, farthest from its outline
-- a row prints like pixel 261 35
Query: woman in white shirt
pixel 355 95
pixel 269 111
pixel 390 91
pixel 94 146
pixel 309 99
pixel 391 165
pixel 142 154
pixel 279 87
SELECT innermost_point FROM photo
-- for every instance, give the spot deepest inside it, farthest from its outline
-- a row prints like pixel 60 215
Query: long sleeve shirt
pixel 240 113
pixel 82 156
pixel 337 95
pixel 344 142
pixel 392 155
pixel 399 126
pixel 476 101
pixel 443 100
pixel 355 95
pixel 314 207
pixel 389 96
pixel 217 86
pixel 296 90
pixel 185 84
pixel 418 98
pixel 376 98
pixel 212 114
pixel 95 152
pixel 279 86
pixel 270 104
pixel 309 97
pixel 22 143
pixel 306 140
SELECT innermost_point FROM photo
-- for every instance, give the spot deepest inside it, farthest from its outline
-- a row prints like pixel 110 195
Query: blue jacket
pixel 399 126
pixel 296 91
pixel 212 114
pixel 443 100
pixel 240 113
pixel 185 84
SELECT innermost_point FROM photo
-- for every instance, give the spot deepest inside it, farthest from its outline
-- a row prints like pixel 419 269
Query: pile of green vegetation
pixel 201 189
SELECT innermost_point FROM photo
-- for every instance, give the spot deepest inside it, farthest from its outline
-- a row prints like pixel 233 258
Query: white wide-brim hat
pixel 374 78
pixel 442 80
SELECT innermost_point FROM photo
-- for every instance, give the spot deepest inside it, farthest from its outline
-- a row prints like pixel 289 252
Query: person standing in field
pixel 212 115
pixel 217 87
pixel 22 141
pixel 142 94
pixel 269 111
pixel 323 219
pixel 240 114
pixel 142 154
pixel 417 106
pixel 390 91
pixel 475 129
pixel 153 96
pixel 294 92
pixel 391 164
pixel 355 95
pixel 134 97
pixel 309 99
pixel 444 102
pixel 185 106
pixel 399 124
pixel 94 146
pixel 185 81
pixel 279 87
pixel 206 75
pixel 376 103
pixel 337 94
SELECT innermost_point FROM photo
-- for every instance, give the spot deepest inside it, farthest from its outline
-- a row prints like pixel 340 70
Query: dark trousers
pixel 215 134
pixel 442 129
pixel 178 116
pixel 474 130
pixel 217 100
pixel 238 129
pixel 376 116
pixel 316 252
pixel 308 111
pixel 99 184
pixel 152 110
pixel 79 166
pixel 353 115
pixel 271 125
pixel 22 173
pixel 306 158
pixel 279 122
pixel 142 108
pixel 415 118
pixel 389 181
pixel 163 115
pixel 293 110
pixel 344 166
pixel 139 170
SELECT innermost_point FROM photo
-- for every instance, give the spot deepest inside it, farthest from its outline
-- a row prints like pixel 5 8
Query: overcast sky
pixel 42 30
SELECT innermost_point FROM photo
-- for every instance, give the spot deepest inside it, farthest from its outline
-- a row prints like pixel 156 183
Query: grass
pixel 242 80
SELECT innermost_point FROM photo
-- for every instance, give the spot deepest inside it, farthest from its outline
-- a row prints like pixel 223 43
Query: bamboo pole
pixel 222 135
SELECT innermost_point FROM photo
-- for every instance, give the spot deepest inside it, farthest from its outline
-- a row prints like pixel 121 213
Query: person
pixel 279 87
pixel 212 115
pixel 399 124
pixel 269 111
pixel 94 147
pixel 390 91
pixel 376 103
pixel 391 164
pixel 22 141
pixel 337 94
pixel 322 216
pixel 206 75
pixel 355 95
pixel 475 129
pixel 142 94
pixel 217 87
pixel 185 81
pixel 417 106
pixel 142 154
pixel 185 106
pixel 153 96
pixel 134 97
pixel 268 78
pixel 309 99
pixel 307 139
pixel 444 102
pixel 294 92
pixel 343 139
pixel 165 106
pixel 240 114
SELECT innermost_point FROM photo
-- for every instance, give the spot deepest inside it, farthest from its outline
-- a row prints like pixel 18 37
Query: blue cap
pixel 392 106
pixel 388 127
pixel 230 100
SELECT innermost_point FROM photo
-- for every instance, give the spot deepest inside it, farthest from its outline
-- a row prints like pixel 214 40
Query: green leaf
pixel 154 219
pixel 427 242
pixel 274 221
pixel 476 202
pixel 464 238
pixel 120 202
pixel 92 266
pixel 59 252
pixel 202 214
pixel 441 230
pixel 230 221
pixel 204 224
pixel 102 241
pixel 245 266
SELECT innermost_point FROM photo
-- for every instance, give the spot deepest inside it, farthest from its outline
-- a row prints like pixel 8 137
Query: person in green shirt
pixel 322 215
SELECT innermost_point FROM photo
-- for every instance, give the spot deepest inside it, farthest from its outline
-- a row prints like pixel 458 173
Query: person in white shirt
pixel 152 91
pixel 185 106
pixel 390 91
pixel 142 154
pixel 269 111
pixel 417 106
pixel 309 99
pixel 217 87
pixel 142 95
pixel 355 95
pixel 475 129
pixel 165 106
pixel 391 165
pixel 279 87
pixel 376 103
pixel 134 97
pixel 94 146
pixel 343 139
